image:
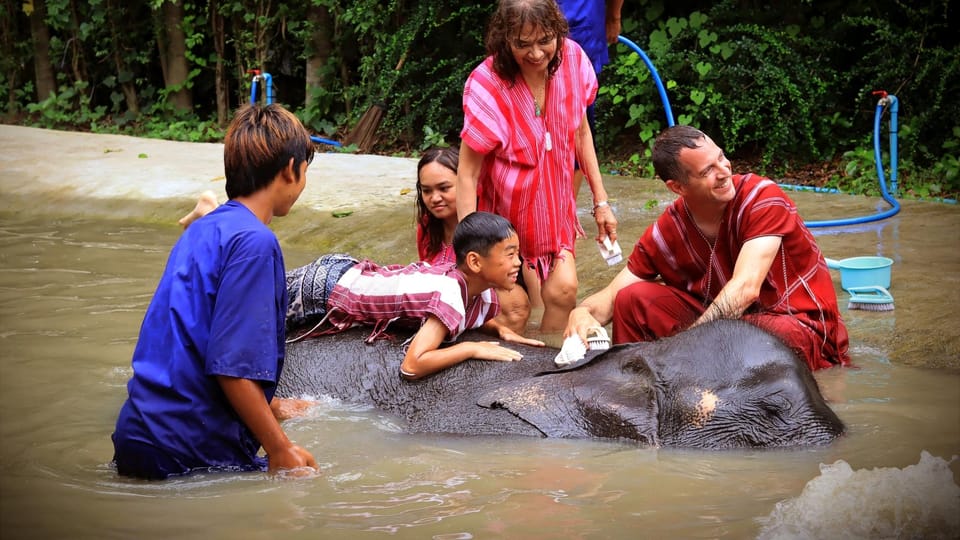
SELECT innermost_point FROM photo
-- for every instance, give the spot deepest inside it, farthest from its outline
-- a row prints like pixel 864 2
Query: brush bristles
pixel 865 306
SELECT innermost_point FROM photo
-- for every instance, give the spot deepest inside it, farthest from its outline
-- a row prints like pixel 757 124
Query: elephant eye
pixel 776 405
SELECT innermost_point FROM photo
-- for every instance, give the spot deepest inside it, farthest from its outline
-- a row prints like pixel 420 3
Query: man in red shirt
pixel 731 246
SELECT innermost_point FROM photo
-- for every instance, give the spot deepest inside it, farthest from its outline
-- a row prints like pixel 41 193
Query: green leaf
pixel 725 50
pixel 341 213
pixel 706 37
pixel 697 19
pixel 697 97
pixel 659 40
pixel 676 26
pixel 654 11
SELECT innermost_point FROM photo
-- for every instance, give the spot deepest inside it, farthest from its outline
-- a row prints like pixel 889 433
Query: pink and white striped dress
pixel 523 178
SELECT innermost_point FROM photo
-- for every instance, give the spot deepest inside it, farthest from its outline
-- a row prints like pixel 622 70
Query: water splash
pixel 918 501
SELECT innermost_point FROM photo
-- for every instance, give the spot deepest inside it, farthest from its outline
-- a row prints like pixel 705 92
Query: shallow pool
pixel 73 291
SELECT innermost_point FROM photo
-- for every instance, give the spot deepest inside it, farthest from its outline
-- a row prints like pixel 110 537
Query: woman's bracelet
pixel 600 204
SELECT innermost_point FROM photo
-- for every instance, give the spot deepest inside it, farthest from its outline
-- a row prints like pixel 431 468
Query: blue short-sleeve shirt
pixel 219 309
pixel 588 27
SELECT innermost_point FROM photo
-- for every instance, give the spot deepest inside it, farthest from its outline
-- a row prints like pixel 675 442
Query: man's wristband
pixel 600 204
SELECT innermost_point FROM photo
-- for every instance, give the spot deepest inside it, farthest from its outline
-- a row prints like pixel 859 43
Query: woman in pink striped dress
pixel 524 129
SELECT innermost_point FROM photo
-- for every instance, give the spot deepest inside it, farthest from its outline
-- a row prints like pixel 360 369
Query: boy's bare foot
pixel 206 203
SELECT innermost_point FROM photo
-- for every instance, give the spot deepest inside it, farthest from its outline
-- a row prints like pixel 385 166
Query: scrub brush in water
pixel 870 298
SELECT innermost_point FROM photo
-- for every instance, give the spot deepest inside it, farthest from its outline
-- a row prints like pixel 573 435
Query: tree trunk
pixel 176 53
pixel 221 81
pixel 124 77
pixel 10 34
pixel 162 46
pixel 43 69
pixel 241 62
pixel 318 49
pixel 79 60
pixel 262 27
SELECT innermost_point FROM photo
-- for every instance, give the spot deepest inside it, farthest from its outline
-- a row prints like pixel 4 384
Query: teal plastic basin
pixel 863 271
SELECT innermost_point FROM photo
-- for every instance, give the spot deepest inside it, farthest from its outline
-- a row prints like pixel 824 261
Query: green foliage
pixel 946 171
pixel 432 138
pixel 779 84
pixel 753 87
pixel 70 108
pixel 419 86
pixel 859 174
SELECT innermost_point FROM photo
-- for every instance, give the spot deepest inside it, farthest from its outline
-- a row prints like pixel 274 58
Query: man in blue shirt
pixel 211 346
pixel 594 25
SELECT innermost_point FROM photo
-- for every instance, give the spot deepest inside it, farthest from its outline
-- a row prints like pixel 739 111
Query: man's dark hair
pixel 259 144
pixel 479 232
pixel 667 147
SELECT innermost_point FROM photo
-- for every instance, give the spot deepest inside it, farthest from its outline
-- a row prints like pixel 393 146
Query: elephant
pixel 719 385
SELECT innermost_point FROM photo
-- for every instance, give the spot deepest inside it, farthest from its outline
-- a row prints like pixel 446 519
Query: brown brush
pixel 365 134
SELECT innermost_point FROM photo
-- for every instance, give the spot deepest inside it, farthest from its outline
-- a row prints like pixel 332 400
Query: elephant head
pixel 723 385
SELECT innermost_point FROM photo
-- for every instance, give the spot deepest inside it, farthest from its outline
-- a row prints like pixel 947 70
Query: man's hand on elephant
pixel 581 322
pixel 492 350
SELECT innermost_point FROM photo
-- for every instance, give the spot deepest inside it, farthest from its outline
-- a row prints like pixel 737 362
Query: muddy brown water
pixel 76 275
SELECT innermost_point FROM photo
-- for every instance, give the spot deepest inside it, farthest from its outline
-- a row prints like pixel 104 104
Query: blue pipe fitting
pixel 885 100
pixel 268 97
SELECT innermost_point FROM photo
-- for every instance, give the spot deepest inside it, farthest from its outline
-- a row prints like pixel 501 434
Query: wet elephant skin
pixel 725 384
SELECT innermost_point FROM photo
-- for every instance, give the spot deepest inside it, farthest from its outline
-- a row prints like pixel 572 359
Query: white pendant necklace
pixel 547 140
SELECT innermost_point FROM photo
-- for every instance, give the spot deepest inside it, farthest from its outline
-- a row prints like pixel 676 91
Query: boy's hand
pixel 294 460
pixel 510 336
pixel 491 350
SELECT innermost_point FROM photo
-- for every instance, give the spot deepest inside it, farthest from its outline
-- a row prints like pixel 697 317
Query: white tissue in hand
pixel 611 251
pixel 572 350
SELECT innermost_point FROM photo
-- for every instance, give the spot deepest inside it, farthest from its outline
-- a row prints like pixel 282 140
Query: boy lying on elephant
pixel 337 292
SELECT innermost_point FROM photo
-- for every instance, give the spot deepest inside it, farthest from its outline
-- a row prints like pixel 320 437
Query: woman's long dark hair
pixel 430 227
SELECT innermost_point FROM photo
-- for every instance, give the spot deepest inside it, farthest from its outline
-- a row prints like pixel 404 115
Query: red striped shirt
pixel 798 283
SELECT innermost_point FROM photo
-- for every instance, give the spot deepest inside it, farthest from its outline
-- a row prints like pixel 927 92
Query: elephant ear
pixel 601 400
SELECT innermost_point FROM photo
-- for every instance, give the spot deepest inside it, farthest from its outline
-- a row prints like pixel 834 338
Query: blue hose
pixel 891 100
pixel 656 77
pixel 268 91
pixel 887 99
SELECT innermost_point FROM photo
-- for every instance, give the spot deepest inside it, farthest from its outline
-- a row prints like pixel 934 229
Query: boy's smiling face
pixel 501 266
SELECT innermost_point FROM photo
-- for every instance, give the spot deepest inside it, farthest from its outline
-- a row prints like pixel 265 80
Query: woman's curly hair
pixel 506 24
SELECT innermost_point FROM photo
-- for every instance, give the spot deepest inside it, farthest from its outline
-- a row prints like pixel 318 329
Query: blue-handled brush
pixel 870 298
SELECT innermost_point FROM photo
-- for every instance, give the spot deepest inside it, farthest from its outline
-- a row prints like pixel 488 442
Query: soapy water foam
pixel 918 501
